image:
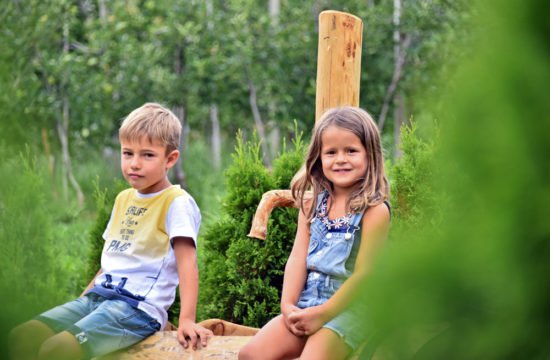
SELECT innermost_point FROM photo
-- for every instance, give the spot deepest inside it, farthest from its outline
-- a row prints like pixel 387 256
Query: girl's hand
pixel 190 333
pixel 286 310
pixel 306 321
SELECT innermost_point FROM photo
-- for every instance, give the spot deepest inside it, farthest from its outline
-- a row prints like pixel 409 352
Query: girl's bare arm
pixel 295 269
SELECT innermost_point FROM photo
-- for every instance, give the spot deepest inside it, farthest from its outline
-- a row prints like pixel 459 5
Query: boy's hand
pixel 306 321
pixel 190 333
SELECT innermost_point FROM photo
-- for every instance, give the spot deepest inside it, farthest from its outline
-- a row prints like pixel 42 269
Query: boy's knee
pixel 25 339
pixel 61 346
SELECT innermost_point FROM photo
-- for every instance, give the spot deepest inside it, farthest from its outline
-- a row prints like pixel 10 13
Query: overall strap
pixel 357 217
pixel 319 201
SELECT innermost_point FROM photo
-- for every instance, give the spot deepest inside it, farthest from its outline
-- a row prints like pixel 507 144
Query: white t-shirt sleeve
pixel 183 218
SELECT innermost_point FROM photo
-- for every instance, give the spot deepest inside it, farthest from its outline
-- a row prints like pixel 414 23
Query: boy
pixel 150 246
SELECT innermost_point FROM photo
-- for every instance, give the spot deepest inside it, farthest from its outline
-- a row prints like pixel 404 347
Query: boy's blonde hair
pixel 155 122
pixel 372 190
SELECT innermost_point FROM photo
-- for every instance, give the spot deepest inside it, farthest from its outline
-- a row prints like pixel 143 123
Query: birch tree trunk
pixel 252 98
pixel 274 133
pixel 274 10
pixel 216 138
pixel 179 111
pixel 179 173
pixel 216 141
pixel 63 127
pixel 399 51
pixel 399 116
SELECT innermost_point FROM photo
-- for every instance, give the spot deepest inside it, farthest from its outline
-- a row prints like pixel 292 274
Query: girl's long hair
pixel 372 190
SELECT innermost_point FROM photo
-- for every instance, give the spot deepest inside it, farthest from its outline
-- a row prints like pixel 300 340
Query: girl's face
pixel 343 157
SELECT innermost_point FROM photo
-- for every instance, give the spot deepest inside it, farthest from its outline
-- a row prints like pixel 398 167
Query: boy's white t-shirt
pixel 149 264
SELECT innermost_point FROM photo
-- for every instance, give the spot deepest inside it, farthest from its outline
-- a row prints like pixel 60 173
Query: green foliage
pixel 242 277
pixel 202 178
pixel 247 180
pixel 30 279
pixel 413 178
pixel 105 199
pixel 479 279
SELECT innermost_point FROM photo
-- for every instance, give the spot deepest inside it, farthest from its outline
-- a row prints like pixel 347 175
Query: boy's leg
pixel 113 325
pixel 273 341
pixel 25 340
pixel 325 344
pixel 62 346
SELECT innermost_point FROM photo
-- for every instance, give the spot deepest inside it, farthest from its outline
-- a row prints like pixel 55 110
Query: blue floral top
pixel 322 214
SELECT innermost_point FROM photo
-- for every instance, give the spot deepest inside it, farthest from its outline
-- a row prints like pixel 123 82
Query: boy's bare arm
pixel 186 259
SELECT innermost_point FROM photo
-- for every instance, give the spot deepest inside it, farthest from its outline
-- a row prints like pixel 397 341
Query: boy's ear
pixel 172 157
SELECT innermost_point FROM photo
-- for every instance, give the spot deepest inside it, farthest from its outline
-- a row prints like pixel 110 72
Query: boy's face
pixel 144 165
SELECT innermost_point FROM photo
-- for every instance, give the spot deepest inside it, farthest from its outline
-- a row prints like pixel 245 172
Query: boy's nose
pixel 135 163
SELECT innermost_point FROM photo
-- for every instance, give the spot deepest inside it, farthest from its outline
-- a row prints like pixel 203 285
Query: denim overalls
pixel 330 258
pixel 330 261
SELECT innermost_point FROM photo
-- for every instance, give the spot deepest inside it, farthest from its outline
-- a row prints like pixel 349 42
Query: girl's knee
pixel 248 352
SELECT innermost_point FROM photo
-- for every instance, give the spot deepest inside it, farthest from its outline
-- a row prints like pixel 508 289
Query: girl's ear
pixel 172 158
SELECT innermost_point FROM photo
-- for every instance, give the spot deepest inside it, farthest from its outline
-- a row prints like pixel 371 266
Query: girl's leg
pixel 273 341
pixel 325 344
pixel 25 340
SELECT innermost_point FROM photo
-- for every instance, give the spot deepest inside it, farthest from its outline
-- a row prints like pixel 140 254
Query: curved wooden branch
pixel 270 200
pixel 225 328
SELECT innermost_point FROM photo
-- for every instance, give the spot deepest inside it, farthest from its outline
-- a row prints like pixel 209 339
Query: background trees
pixel 70 70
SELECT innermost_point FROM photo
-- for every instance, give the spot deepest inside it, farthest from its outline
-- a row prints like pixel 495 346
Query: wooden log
pixel 225 328
pixel 338 75
pixel 165 345
pixel 338 61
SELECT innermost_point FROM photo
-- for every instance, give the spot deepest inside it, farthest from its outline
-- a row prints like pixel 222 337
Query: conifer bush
pixel 412 178
pixel 242 277
pixel 105 199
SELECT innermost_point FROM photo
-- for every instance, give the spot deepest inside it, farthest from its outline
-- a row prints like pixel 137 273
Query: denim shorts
pixel 349 324
pixel 100 325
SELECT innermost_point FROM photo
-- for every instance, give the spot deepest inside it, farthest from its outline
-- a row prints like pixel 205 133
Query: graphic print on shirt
pixel 131 219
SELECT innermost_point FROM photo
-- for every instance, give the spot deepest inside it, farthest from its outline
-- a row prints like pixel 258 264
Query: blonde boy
pixel 150 247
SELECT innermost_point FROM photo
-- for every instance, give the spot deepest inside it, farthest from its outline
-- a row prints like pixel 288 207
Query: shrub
pixel 30 279
pixel 412 178
pixel 242 277
pixel 105 199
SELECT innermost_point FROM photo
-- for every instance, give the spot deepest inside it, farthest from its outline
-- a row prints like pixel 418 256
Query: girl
pixel 339 230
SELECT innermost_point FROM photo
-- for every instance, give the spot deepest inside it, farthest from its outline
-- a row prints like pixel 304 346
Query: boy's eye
pixel 126 153
pixel 149 155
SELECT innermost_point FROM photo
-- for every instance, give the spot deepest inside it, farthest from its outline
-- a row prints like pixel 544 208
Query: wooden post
pixel 338 61
pixel 338 75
